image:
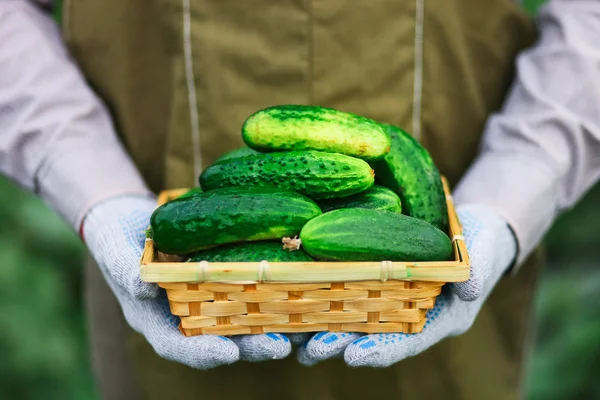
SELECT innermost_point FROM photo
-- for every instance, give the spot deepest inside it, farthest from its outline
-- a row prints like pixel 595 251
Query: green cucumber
pixel 304 127
pixel 230 215
pixel 377 198
pixel 409 170
pixel 251 252
pixel 239 152
pixel 315 174
pixel 354 234
pixel 191 192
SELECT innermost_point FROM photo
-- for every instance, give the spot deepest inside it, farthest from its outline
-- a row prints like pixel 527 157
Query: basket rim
pixel 176 271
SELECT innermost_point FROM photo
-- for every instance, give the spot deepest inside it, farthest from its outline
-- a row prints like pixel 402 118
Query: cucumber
pixel 315 174
pixel 239 152
pixel 230 215
pixel 191 192
pixel 377 198
pixel 354 234
pixel 304 127
pixel 251 252
pixel 409 170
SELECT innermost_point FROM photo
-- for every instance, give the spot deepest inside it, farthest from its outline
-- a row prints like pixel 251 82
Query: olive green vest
pixel 180 77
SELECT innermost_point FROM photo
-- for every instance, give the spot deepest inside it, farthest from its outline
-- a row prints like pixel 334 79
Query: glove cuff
pixel 492 248
pixel 114 234
pixel 516 188
pixel 110 212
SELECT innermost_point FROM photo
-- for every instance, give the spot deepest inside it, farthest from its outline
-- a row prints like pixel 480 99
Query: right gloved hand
pixel 114 232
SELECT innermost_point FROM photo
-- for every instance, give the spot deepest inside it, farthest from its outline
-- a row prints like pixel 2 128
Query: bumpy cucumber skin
pixel 304 127
pixel 353 234
pixel 229 215
pixel 316 174
pixel 409 170
pixel 376 198
pixel 251 252
pixel 239 152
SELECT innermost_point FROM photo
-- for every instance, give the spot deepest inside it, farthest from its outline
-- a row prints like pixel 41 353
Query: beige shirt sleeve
pixel 56 137
pixel 541 152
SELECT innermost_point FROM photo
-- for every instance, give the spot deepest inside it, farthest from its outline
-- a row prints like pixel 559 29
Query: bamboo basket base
pixel 387 327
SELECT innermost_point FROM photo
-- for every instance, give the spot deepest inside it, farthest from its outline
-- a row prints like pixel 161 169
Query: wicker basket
pixel 250 297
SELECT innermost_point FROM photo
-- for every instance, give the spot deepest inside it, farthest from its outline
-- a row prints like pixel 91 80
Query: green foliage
pixel 42 327
pixel 57 12
pixel 532 6
pixel 566 358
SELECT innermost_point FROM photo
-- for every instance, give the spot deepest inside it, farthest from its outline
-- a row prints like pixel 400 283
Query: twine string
pixel 384 272
pixel 458 237
pixel 263 271
pixel 203 266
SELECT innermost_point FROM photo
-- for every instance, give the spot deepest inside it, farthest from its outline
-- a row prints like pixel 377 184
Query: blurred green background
pixel 43 339
pixel 43 334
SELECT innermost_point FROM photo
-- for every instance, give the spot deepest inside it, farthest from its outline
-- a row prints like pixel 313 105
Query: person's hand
pixel 114 232
pixel 492 248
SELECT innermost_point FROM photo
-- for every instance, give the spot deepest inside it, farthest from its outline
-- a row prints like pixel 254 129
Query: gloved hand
pixel 492 249
pixel 114 232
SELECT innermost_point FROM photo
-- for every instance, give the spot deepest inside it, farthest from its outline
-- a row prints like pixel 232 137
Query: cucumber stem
pixel 291 243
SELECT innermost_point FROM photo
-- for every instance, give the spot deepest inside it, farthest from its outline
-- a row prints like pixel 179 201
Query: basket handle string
pixel 263 271
pixel 458 237
pixel 384 271
pixel 203 267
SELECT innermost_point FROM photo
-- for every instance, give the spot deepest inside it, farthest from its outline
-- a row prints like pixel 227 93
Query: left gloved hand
pixel 114 232
pixel 492 249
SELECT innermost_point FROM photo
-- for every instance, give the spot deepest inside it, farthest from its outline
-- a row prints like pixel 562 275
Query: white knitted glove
pixel 114 232
pixel 492 248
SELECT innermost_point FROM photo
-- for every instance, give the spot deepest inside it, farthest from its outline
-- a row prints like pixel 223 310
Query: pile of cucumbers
pixel 311 183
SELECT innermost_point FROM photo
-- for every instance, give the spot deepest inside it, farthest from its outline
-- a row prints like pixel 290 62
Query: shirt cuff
pixel 520 189
pixel 76 180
